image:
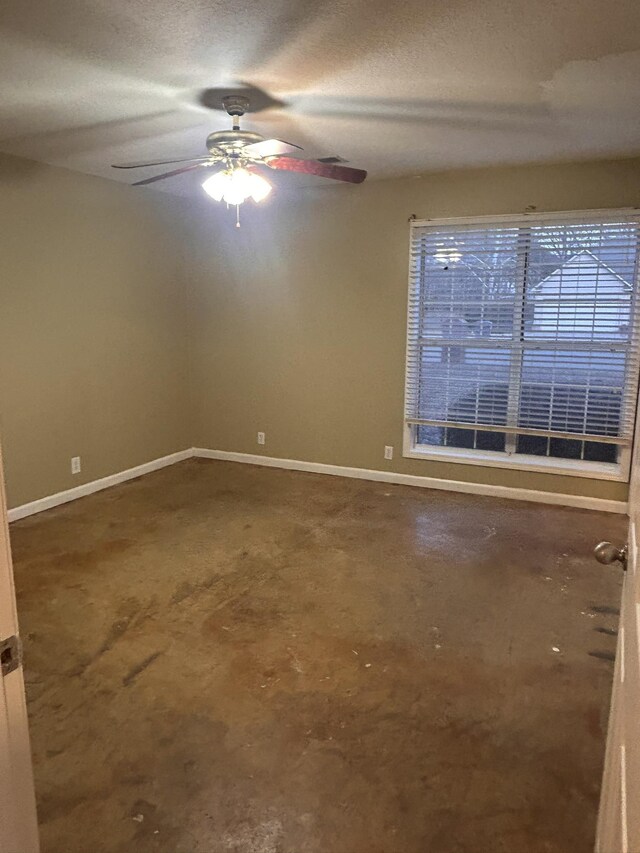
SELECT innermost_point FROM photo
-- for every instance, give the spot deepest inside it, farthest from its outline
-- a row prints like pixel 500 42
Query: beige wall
pixel 298 318
pixel 93 359
pixel 295 322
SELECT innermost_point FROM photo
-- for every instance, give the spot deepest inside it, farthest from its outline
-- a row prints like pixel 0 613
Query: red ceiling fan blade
pixel 166 175
pixel 313 167
pixel 270 148
pixel 158 163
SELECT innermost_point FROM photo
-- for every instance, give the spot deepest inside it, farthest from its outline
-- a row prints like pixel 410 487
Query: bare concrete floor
pixel 229 658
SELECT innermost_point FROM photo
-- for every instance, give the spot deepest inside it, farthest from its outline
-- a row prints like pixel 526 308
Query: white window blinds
pixel 525 326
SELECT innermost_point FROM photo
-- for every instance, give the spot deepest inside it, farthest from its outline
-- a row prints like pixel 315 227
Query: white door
pixel 619 817
pixel 18 825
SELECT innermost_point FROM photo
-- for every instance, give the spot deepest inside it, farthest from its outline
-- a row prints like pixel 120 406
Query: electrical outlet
pixel 388 451
pixel 76 466
pixel 261 438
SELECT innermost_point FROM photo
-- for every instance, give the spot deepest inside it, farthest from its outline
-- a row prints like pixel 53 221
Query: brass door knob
pixel 606 553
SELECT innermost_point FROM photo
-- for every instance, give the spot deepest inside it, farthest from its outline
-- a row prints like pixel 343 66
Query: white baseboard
pixel 59 498
pixel 580 501
pixel 96 485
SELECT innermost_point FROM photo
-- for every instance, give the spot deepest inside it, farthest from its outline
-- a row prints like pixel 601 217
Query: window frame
pixel 618 471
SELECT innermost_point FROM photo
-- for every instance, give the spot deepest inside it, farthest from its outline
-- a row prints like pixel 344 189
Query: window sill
pixel 519 462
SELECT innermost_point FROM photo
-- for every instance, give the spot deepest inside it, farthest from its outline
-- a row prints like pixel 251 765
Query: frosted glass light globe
pixel 236 185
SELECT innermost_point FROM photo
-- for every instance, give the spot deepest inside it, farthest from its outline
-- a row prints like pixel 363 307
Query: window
pixel 522 346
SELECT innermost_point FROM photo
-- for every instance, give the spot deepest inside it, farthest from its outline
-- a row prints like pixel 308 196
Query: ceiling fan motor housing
pixel 231 141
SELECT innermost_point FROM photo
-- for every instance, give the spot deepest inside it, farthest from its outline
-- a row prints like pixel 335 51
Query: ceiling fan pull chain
pixel 237 215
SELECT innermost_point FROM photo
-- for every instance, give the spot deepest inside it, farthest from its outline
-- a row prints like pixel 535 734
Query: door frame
pixel 18 819
pixel 618 829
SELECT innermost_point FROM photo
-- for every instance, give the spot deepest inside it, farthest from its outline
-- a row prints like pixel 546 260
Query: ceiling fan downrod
pixel 235 106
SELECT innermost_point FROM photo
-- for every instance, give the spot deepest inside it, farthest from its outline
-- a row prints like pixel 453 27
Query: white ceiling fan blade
pixel 170 174
pixel 271 148
pixel 158 163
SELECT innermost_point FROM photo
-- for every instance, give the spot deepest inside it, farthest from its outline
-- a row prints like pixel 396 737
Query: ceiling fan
pixel 238 157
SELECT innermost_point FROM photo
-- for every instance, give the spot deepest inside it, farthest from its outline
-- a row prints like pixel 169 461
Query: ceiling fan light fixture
pixel 234 186
pixel 260 187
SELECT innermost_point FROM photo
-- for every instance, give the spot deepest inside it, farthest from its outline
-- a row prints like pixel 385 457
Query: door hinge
pixel 10 654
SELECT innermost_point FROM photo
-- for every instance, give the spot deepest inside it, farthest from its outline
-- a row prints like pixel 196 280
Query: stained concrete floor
pixel 222 658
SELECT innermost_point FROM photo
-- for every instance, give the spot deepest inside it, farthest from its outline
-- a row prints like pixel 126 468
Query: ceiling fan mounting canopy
pixel 235 105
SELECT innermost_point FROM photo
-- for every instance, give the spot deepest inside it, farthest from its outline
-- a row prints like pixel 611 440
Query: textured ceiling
pixel 398 88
